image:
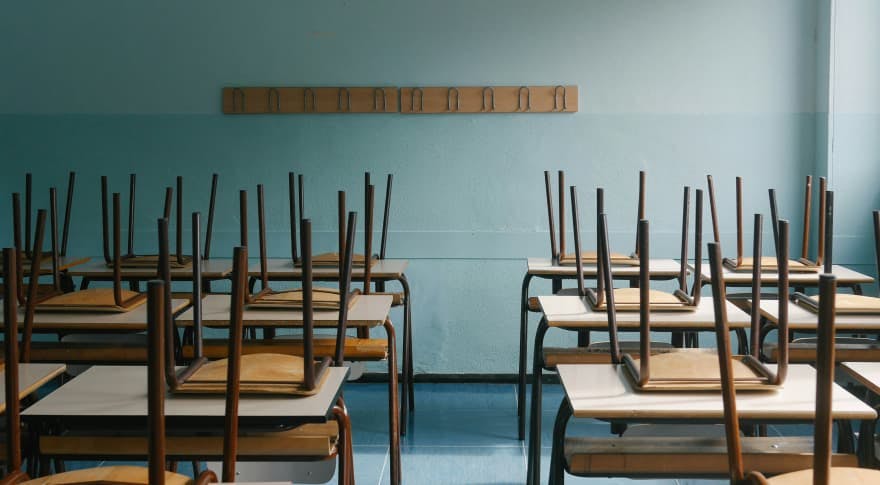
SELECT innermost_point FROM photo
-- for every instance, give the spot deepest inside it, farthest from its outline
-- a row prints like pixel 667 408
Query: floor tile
pixel 473 465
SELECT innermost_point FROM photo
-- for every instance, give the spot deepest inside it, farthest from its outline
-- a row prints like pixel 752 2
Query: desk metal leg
pixel 533 470
pixel 523 352
pixel 557 454
pixel 407 401
pixel 393 405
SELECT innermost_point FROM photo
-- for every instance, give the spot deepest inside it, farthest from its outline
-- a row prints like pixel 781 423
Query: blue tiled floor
pixel 462 434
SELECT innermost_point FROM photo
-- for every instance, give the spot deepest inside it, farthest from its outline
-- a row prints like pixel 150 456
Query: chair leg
pixel 557 455
pixel 533 470
pixel 344 451
pixel 393 404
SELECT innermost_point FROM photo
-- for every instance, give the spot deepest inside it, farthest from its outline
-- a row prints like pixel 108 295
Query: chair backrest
pixel 824 374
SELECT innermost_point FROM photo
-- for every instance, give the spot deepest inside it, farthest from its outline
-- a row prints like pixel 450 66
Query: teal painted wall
pixel 679 89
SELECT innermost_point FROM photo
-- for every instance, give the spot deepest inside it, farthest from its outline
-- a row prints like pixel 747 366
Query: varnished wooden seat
pixel 355 348
pixel 592 257
pixel 627 299
pixel 313 439
pixel 93 300
pixel 117 475
pixel 846 349
pixel 595 353
pixel 688 456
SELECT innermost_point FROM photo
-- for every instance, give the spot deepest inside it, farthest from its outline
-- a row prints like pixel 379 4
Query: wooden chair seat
pixel 315 439
pixel 627 300
pixel 769 263
pixel 150 261
pixel 93 300
pixel 322 299
pixel 688 456
pixel 119 475
pixel 261 373
pixel 839 475
pixel 591 257
pixel 355 348
pixel 846 349
pixel 595 353
pixel 698 369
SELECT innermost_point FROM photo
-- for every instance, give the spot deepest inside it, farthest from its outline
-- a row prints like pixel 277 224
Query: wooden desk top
pixel 121 391
pixel 602 391
pixel 97 269
pixel 367 311
pixel 799 318
pixel 660 269
pixel 574 312
pixel 282 268
pixel 845 276
pixel 30 378
pixel 867 373
pixel 134 320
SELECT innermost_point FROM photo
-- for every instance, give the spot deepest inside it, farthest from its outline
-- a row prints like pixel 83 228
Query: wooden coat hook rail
pixel 489 99
pixel 289 100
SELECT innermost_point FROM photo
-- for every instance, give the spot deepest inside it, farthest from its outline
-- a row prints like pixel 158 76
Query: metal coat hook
pixel 412 99
pixel 449 93
pixel 238 93
pixel 556 98
pixel 276 104
pixel 519 106
pixel 339 98
pixel 309 93
pixel 376 93
pixel 491 91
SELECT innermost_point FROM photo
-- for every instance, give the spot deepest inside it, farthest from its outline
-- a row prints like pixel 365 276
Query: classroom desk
pixel 661 269
pixel 64 322
pixel 867 373
pixel 601 391
pixel 98 270
pixel 104 396
pixel 368 311
pixel 574 313
pixel 30 378
pixel 802 320
pixel 383 271
pixel 846 278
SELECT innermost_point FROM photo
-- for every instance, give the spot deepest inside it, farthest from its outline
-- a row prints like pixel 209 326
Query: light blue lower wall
pixel 468 196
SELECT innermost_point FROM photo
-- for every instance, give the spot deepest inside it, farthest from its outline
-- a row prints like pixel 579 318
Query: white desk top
pixel 867 373
pixel 134 320
pixel 367 311
pixel 799 318
pixel 574 312
pixel 96 268
pixel 845 276
pixel 602 391
pixel 30 378
pixel 121 391
pixel 281 268
pixel 660 269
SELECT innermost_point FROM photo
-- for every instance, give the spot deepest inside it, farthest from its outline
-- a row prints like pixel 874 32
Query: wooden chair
pixel 25 258
pixel 155 473
pixel 587 256
pixel 132 260
pixel 629 299
pixel 92 299
pixel 769 263
pixel 674 369
pixel 822 472
pixel 847 349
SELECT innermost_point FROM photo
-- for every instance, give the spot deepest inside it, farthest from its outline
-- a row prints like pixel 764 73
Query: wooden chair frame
pixel 130 258
pixel 822 472
pixel 313 372
pixel 16 215
pixel 121 303
pixel 801 265
pixel 560 257
pixel 689 300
